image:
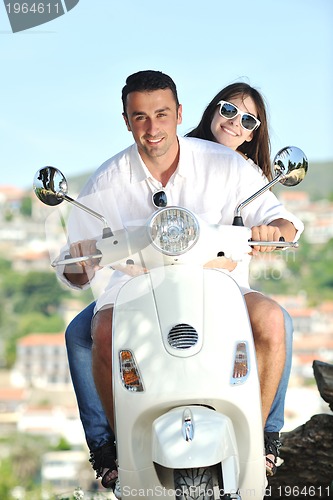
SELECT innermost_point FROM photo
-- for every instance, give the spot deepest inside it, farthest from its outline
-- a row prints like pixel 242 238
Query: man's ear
pixel 127 123
pixel 180 114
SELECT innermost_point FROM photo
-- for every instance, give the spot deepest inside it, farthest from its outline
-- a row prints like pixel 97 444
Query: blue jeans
pixel 94 421
pixel 79 343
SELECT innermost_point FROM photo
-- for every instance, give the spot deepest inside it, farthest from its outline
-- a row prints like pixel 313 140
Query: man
pixel 208 179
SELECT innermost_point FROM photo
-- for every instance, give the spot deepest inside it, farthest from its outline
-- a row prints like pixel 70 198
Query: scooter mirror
pixel 291 165
pixel 50 186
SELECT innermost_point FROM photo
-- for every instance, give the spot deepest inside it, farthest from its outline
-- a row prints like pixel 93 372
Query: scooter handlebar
pixel 85 258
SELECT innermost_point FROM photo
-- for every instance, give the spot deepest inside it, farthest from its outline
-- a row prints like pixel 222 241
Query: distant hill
pixel 318 181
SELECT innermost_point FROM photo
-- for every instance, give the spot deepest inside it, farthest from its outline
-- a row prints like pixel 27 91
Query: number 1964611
pixel 35 8
pixel 306 491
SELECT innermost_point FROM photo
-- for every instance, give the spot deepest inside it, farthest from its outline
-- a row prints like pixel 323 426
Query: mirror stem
pixel 238 221
pixel 107 232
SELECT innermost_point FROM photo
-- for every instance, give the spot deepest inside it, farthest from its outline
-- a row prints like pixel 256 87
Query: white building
pixel 41 361
pixel 61 469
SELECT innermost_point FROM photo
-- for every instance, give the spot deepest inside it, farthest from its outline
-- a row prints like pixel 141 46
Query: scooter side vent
pixel 182 336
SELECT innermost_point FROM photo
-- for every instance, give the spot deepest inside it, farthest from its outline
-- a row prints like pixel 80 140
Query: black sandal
pixel 272 446
pixel 103 458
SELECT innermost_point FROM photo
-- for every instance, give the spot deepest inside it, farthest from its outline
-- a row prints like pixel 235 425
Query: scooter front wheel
pixel 203 483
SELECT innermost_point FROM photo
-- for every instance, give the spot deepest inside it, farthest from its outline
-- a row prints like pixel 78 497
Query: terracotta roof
pixel 294 195
pixel 299 312
pixel 11 394
pixel 307 358
pixel 32 255
pixel 12 192
pixel 327 306
pixel 39 339
pixel 315 342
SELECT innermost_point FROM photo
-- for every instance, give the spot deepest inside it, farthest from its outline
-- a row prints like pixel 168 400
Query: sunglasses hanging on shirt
pixel 160 199
pixel 229 111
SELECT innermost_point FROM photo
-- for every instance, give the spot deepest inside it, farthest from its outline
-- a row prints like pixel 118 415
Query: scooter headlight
pixel 173 230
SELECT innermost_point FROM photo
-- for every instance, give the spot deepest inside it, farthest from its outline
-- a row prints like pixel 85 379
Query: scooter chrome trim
pixel 188 427
pixel 182 336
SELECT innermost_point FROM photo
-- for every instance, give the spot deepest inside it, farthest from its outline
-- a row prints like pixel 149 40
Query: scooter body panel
pixel 147 308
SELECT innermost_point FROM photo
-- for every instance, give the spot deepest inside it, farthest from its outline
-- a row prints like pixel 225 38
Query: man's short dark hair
pixel 146 81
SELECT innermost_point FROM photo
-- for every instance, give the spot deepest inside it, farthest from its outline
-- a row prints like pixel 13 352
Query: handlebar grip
pixel 68 259
pixel 277 244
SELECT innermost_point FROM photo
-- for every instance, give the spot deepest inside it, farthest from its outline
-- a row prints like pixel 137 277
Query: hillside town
pixel 36 395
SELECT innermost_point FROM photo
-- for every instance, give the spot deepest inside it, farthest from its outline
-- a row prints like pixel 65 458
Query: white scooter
pixel 186 391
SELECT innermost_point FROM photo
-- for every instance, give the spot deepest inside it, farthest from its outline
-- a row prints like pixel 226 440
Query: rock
pixel 323 373
pixel 307 455
pixel 307 451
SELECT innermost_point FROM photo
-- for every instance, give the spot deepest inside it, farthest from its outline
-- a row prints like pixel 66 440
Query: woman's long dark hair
pixel 258 149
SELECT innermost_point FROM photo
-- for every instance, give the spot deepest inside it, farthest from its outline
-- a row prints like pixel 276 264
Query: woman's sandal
pixel 272 446
pixel 104 462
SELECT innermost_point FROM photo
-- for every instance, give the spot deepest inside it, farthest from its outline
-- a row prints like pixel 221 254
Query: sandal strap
pixel 103 457
pixel 270 469
pixel 272 443
pixel 109 478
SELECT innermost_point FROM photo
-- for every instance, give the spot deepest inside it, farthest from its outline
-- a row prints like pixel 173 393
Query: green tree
pixel 310 268
pixel 26 206
pixel 63 445
pixel 22 463
pixel 39 292
pixel 7 478
pixel 5 265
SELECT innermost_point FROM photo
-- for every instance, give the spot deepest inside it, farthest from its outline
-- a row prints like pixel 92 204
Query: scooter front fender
pixel 193 436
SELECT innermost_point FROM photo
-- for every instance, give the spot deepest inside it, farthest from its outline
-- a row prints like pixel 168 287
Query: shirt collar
pixel 139 171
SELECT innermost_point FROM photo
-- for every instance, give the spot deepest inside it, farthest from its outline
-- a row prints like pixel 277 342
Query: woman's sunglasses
pixel 160 199
pixel 230 111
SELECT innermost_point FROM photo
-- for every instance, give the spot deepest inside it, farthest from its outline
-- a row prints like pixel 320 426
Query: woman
pixel 246 133
pixel 252 143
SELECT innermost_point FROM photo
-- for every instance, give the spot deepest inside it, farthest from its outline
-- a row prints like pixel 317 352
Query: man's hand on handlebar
pixel 82 272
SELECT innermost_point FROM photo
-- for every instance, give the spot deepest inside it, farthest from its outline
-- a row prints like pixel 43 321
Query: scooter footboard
pixel 194 436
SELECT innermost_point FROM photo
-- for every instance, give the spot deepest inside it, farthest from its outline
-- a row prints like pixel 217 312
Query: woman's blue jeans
pixel 94 421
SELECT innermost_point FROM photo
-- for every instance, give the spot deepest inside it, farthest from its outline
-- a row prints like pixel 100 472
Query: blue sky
pixel 61 82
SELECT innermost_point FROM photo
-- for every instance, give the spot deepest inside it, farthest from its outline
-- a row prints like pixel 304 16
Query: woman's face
pixel 230 133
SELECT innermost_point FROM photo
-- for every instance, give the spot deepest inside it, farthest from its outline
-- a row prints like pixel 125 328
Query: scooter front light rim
pixel 173 230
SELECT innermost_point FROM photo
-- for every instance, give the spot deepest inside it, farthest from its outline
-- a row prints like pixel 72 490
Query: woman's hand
pixel 130 268
pixel 265 233
pixel 272 232
pixel 221 263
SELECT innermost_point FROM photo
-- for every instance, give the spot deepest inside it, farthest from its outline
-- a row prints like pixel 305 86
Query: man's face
pixel 152 117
